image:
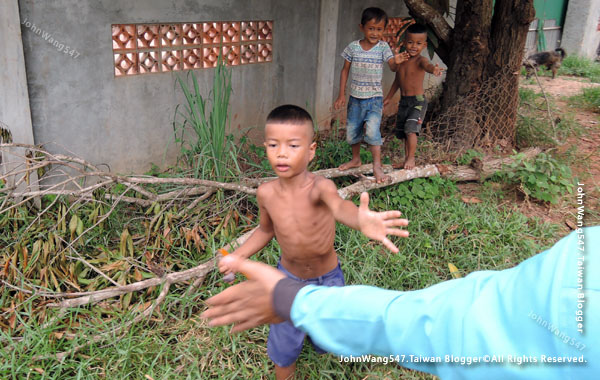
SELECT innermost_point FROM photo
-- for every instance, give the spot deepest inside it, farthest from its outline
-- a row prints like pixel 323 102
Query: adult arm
pixel 527 312
pixel 516 323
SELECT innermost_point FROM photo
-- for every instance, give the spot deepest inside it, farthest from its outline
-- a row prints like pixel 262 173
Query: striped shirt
pixel 366 69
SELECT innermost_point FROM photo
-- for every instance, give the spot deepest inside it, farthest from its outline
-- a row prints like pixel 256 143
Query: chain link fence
pixel 483 120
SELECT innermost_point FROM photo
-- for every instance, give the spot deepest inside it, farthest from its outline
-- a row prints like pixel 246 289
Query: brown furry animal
pixel 551 59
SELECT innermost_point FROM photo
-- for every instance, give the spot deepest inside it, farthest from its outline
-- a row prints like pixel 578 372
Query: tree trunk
pixel 480 96
pixel 510 25
pixel 470 50
pixel 509 34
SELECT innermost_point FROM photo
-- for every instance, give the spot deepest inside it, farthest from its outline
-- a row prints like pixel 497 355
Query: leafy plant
pixel 468 156
pixel 543 178
pixel 413 192
pixel 211 152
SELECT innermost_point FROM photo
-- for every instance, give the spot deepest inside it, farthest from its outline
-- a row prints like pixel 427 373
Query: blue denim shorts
pixel 364 120
pixel 285 341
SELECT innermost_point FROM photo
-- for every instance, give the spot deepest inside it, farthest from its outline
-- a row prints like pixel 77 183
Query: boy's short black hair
pixel 417 29
pixel 289 114
pixel 373 13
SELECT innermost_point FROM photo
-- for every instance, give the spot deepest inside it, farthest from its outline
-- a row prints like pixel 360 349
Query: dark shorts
pixel 411 112
pixel 285 341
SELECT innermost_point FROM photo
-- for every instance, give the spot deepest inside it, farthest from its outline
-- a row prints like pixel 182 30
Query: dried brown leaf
pixel 470 199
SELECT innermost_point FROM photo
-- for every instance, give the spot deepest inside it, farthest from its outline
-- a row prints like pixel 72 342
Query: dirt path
pixel 586 162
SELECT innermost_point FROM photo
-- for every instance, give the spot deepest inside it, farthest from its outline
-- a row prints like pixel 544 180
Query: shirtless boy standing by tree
pixel 300 210
pixel 409 78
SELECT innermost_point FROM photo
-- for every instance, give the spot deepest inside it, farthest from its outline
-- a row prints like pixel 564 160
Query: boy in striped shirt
pixel 364 61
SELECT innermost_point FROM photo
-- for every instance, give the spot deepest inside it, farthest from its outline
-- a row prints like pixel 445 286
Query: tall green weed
pixel 210 151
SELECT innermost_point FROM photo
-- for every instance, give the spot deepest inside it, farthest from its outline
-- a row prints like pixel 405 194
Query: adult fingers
pixel 228 318
pixel 228 295
pixel 263 273
pixel 253 322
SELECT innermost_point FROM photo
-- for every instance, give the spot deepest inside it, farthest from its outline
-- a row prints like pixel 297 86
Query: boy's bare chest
pixel 411 69
pixel 297 212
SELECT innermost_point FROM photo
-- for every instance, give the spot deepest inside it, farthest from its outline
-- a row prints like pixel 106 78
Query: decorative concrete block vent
pixel 160 48
pixel 395 24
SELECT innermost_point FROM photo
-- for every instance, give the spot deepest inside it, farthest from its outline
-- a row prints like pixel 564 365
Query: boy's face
pixel 373 30
pixel 415 43
pixel 289 147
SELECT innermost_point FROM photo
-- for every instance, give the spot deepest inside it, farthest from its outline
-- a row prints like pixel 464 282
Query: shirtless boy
pixel 300 209
pixel 409 78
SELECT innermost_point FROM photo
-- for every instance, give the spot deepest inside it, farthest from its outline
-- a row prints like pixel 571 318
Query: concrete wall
pixel 126 123
pixel 79 107
pixel 14 98
pixel 580 34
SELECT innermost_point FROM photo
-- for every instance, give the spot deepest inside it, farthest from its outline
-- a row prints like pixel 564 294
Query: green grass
pixel 176 343
pixel 588 99
pixel 582 67
pixel 535 128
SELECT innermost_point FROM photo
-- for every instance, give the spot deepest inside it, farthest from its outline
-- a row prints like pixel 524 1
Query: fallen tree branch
pixel 172 278
pixel 327 173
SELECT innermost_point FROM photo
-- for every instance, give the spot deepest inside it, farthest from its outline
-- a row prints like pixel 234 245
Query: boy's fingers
pixel 397 232
pixel 396 222
pixel 389 245
pixel 390 215
pixel 364 201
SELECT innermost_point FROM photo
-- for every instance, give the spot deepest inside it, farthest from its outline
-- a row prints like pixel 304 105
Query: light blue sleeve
pixel 535 320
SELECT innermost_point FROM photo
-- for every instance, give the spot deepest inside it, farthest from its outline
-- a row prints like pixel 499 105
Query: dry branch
pixel 327 173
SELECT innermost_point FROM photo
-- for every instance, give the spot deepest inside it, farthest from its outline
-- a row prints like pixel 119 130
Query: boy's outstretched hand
pixel 247 304
pixel 377 225
pixel 400 58
pixel 437 70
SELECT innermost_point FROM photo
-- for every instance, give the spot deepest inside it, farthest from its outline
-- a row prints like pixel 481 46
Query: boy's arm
pixel 341 99
pixel 259 238
pixel 374 225
pixel 431 68
pixel 393 89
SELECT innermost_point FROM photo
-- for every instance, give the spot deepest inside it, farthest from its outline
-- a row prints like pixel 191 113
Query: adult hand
pixel 377 225
pixel 247 304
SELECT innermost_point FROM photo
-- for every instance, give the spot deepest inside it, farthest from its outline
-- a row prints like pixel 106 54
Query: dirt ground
pixel 586 165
